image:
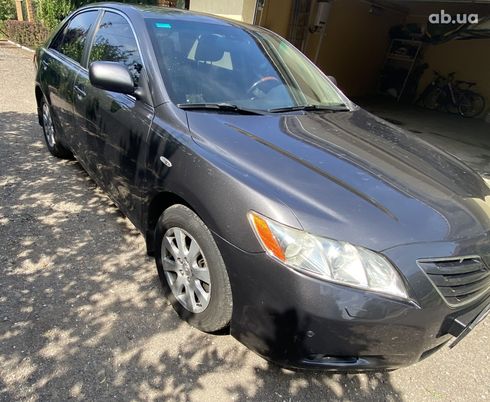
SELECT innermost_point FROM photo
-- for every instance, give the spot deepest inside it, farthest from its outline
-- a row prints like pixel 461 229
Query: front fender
pixel 218 192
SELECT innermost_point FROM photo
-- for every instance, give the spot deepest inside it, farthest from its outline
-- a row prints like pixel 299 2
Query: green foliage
pixel 73 44
pixel 102 50
pixel 51 12
pixel 7 9
pixel 31 34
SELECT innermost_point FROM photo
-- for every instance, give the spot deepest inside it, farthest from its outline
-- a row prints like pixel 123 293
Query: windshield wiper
pixel 218 106
pixel 311 108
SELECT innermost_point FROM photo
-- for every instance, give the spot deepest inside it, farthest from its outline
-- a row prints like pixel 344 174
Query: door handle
pixel 80 92
pixel 45 64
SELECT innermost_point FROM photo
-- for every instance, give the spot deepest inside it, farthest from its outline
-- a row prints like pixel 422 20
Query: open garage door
pixel 388 46
pixel 386 55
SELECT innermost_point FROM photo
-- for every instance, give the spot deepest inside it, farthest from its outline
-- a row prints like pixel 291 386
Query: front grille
pixel 458 280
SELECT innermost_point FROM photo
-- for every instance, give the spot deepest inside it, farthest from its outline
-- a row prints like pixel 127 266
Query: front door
pixel 116 125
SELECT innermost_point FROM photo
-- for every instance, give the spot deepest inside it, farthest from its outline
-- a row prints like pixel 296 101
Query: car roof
pixel 147 11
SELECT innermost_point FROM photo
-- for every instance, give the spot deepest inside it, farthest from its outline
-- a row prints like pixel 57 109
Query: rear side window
pixel 71 41
pixel 115 41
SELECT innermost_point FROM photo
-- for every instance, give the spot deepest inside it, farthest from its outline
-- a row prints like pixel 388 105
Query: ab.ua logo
pixel 444 18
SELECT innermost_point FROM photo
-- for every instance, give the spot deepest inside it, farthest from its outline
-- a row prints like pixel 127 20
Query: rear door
pixel 60 65
pixel 116 125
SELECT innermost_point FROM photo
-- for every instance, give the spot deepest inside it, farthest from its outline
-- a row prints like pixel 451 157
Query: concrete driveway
pixel 82 316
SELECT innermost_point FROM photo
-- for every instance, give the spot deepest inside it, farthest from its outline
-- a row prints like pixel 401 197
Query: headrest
pixel 210 48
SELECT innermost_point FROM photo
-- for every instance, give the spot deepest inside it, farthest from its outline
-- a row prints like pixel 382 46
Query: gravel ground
pixel 82 316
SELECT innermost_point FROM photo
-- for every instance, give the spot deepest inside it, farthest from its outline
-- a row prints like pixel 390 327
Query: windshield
pixel 206 63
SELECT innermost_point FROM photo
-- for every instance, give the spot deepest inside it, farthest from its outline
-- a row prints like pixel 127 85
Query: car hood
pixel 352 176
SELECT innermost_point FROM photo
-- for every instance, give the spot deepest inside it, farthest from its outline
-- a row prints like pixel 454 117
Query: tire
pixel 432 100
pixel 183 276
pixel 50 135
pixel 471 104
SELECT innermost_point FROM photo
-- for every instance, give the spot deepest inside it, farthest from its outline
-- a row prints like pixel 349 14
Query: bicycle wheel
pixel 471 104
pixel 432 99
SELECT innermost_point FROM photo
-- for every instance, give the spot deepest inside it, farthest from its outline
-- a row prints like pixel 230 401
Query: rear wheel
pixel 191 270
pixel 50 135
pixel 471 104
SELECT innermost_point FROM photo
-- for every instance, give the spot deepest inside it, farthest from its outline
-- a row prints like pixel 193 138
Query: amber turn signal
pixel 266 236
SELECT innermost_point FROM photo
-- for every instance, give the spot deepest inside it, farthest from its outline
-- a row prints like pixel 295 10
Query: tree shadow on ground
pixel 82 315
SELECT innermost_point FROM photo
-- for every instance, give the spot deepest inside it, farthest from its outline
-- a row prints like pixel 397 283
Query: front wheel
pixel 471 104
pixel 433 99
pixel 50 134
pixel 192 272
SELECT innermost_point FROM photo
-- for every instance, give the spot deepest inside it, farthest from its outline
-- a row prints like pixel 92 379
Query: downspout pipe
pixel 320 23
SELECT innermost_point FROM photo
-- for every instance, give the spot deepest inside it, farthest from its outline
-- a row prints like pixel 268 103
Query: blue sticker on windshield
pixel 163 25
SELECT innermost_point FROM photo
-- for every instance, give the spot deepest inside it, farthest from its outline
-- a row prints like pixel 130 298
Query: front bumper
pixel 301 322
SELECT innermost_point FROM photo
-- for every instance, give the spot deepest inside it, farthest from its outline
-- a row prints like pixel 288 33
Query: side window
pixel 115 41
pixel 72 40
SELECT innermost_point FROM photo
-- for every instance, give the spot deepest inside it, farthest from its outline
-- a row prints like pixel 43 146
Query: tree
pixel 51 12
pixel 7 9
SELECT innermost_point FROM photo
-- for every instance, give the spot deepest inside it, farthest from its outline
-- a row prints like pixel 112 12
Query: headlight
pixel 328 259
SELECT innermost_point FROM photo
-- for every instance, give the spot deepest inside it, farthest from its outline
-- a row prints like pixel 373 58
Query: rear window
pixel 71 41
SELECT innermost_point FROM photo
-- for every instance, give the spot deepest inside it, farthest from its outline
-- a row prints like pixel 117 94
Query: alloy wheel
pixel 186 270
pixel 48 125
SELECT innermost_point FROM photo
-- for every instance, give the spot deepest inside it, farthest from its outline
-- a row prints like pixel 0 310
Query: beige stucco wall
pixel 248 11
pixel 355 45
pixel 469 59
pixel 241 10
pixel 355 42
pixel 276 16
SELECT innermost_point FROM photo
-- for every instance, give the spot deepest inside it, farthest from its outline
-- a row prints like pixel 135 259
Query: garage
pixel 385 54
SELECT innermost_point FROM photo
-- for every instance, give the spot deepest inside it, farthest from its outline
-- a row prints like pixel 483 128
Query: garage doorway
pixel 384 55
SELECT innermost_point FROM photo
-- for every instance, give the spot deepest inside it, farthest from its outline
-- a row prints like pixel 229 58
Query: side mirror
pixel 111 76
pixel 332 78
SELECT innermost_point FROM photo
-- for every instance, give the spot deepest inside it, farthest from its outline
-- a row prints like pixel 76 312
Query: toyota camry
pixel 319 235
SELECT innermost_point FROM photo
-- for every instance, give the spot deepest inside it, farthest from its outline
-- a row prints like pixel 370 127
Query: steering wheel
pixel 269 80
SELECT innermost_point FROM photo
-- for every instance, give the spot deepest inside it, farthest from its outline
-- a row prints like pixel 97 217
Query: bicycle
pixel 453 96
